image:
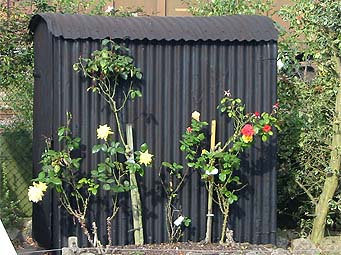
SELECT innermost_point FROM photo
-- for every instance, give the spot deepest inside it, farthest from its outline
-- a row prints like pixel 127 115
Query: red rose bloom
pixel 248 130
pixel 257 114
pixel 267 128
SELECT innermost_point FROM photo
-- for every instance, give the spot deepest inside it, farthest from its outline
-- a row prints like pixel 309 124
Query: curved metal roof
pixel 222 28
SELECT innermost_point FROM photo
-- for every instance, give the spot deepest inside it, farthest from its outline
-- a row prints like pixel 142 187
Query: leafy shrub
pixel 10 214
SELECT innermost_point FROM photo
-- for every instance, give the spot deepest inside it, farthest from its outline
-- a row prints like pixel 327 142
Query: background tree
pixel 16 68
pixel 228 7
pixel 315 30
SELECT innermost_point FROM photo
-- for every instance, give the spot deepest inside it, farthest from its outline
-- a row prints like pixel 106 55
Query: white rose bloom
pixel 35 194
pixel 279 64
pixel 179 220
pixel 213 172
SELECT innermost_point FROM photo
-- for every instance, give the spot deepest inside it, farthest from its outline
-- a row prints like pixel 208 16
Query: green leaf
pixel 96 148
pixel 104 147
pixel 106 186
pixel 139 76
pixel 144 147
pixel 120 150
pixel 190 164
pixel 101 167
pixel 105 42
pixel 56 181
pixel 61 131
pixel 41 176
pixel 118 189
pixel 222 177
pixel 124 76
pixel 93 191
pixel 187 222
pixel 264 138
pixel 177 166
pixel 166 164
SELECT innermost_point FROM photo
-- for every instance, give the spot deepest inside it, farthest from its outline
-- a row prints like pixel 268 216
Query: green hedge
pixel 16 162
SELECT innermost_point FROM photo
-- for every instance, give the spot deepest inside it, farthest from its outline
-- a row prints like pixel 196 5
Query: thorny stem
pixel 119 126
pixel 125 97
pixel 173 232
pixel 104 89
pixel 238 128
pixel 85 230
pixel 115 209
pixel 110 100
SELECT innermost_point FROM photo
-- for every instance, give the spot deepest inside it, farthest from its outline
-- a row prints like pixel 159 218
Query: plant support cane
pixel 208 238
pixel 134 193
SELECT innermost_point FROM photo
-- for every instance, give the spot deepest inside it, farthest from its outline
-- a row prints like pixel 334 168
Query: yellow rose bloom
pixel 41 185
pixel 203 152
pixel 247 139
pixel 145 158
pixel 36 192
pixel 196 115
pixel 103 131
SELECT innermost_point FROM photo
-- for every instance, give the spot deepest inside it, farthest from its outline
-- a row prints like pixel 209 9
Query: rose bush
pixel 223 159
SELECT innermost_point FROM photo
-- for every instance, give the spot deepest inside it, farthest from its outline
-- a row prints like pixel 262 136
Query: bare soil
pixel 192 248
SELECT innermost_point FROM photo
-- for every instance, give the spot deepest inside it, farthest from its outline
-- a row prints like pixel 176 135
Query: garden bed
pixel 188 248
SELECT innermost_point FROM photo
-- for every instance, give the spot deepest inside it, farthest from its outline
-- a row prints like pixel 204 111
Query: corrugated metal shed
pixel 183 71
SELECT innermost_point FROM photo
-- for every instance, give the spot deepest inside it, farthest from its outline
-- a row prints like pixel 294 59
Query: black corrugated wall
pixel 179 78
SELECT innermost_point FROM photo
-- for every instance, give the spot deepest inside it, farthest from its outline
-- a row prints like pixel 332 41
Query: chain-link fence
pixel 16 165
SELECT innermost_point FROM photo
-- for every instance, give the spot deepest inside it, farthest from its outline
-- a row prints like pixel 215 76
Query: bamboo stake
pixel 208 238
pixel 134 193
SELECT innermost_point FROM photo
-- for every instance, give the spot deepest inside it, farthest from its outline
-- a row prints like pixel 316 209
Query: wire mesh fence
pixel 16 165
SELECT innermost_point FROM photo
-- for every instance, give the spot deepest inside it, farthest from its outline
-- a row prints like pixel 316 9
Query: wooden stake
pixel 134 193
pixel 208 238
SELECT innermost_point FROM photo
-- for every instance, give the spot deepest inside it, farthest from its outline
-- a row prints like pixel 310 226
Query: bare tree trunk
pixel 134 194
pixel 331 182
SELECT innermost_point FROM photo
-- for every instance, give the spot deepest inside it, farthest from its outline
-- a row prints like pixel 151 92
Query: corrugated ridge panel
pixel 220 28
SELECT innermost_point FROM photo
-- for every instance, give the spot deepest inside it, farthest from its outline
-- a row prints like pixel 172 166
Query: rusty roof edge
pixel 219 28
